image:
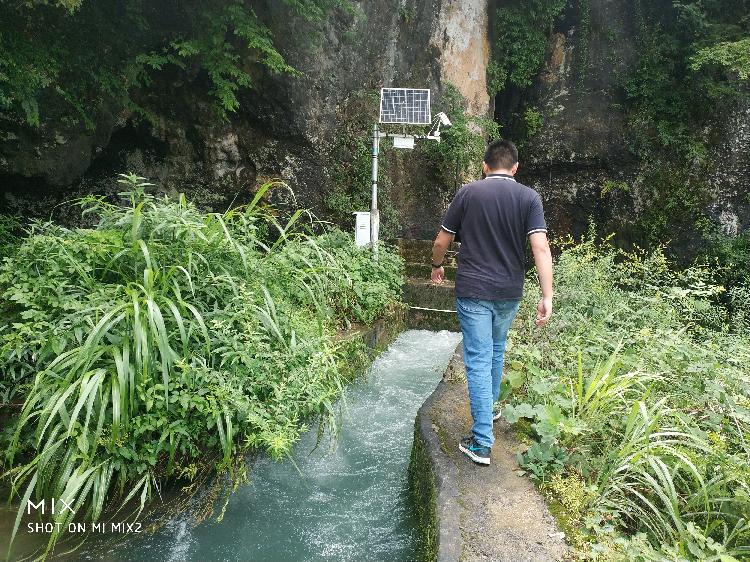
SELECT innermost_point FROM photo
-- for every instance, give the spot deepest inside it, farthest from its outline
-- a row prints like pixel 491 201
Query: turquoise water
pixel 345 503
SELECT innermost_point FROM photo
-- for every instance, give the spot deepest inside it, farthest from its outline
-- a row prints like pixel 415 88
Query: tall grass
pixel 165 339
pixel 642 388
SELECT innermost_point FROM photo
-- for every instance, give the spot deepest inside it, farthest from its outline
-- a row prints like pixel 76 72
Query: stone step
pixel 423 293
pixel 423 271
pixel 420 251
pixel 432 307
pixel 417 319
pixel 431 301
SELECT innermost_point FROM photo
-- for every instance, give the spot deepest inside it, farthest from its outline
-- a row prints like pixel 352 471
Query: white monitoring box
pixel 362 228
pixel 403 141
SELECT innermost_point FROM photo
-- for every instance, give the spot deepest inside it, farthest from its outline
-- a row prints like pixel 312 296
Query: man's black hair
pixel 501 155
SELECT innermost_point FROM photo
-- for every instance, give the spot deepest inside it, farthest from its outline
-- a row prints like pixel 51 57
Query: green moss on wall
pixel 423 494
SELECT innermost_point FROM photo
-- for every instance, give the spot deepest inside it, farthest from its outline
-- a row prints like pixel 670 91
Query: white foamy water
pixel 345 503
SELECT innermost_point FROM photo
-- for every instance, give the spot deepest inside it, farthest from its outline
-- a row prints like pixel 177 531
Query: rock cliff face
pixel 287 126
pixel 583 144
pixel 583 139
pixel 729 184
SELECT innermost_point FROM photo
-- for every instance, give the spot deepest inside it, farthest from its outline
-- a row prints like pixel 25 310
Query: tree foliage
pixel 731 55
pixel 63 60
pixel 521 30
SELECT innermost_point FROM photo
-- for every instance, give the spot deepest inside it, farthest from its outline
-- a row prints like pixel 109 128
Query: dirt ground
pixel 503 517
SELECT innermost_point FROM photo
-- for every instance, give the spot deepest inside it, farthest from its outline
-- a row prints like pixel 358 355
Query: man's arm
pixel 543 261
pixel 442 242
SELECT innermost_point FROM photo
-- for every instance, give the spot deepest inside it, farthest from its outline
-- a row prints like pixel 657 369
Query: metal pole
pixel 374 213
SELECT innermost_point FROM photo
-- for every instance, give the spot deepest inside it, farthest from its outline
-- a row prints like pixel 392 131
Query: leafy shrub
pixel 166 339
pixel 63 61
pixel 9 227
pixel 457 156
pixel 640 389
pixel 542 459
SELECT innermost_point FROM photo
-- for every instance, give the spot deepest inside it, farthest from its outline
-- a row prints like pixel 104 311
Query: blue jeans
pixel 484 325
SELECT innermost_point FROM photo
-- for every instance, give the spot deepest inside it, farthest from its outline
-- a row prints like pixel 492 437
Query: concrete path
pixel 502 516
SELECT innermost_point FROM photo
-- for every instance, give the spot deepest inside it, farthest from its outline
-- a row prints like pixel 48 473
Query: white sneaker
pixel 496 416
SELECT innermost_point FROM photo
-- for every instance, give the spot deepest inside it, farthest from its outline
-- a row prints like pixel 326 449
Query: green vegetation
pixel 733 56
pixel 638 399
pixel 733 252
pixel 457 158
pixel 55 66
pixel 166 341
pixel 407 14
pixel 448 164
pixel 521 31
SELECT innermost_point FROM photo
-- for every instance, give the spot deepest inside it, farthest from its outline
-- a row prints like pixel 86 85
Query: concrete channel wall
pixel 434 489
pixel 432 476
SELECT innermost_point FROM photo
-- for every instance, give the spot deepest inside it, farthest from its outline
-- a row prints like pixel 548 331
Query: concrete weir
pixel 465 511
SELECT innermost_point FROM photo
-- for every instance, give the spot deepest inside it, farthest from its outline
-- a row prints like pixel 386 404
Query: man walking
pixel 492 218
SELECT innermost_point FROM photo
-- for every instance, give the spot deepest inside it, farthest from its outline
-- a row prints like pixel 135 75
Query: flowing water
pixel 344 503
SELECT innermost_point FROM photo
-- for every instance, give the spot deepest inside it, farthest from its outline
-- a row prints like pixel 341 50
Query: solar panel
pixel 405 105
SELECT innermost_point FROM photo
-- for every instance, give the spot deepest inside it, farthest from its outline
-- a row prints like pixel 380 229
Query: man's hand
pixel 543 261
pixel 438 274
pixel 439 247
pixel 543 311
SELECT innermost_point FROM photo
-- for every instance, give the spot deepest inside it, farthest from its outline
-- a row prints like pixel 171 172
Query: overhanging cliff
pixel 574 125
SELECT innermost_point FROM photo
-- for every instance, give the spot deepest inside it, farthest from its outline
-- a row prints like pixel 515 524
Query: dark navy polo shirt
pixel 492 219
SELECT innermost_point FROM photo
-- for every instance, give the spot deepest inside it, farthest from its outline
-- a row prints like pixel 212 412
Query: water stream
pixel 344 503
